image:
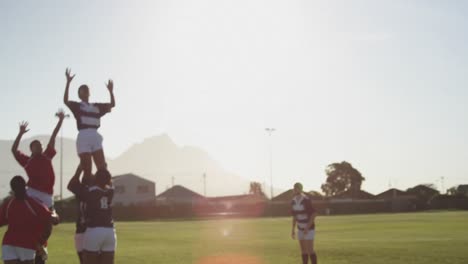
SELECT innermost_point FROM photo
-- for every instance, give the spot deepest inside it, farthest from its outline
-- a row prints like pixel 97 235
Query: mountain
pixel 157 158
pixel 161 160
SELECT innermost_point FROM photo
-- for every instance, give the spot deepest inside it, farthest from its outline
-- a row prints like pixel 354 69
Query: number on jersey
pixel 104 204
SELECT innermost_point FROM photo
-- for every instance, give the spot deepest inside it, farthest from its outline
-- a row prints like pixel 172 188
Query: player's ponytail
pixel 18 186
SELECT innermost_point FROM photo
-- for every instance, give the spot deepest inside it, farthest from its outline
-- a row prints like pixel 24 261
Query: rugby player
pixel 304 218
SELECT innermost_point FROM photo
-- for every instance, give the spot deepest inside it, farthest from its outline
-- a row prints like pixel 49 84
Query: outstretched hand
pixel 68 75
pixel 60 114
pixel 110 85
pixel 23 127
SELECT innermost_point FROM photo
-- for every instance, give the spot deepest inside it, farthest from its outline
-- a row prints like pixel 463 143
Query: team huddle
pixel 29 213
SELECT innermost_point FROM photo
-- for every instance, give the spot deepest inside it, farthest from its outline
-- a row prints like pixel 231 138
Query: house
pixel 284 196
pixel 391 194
pixel 354 195
pixel 130 189
pixel 289 194
pixel 234 205
pixel 179 195
pixel 422 191
pixel 229 201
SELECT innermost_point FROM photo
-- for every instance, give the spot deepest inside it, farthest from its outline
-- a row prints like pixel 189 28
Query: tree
pixel 342 177
pixel 460 190
pixel 256 189
pixel 424 192
pixel 452 191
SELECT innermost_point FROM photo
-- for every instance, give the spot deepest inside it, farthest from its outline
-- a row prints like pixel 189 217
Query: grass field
pixel 419 238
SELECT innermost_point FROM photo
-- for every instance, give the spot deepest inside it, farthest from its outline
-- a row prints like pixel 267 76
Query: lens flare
pixel 230 259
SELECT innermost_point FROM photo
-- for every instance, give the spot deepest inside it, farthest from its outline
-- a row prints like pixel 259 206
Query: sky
pixel 380 84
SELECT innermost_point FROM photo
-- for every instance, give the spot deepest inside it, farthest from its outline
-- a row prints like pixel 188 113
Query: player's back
pixel 98 207
pixel 25 219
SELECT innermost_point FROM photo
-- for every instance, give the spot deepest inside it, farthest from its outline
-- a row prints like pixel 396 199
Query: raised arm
pixel 61 115
pixel 67 87
pixel 110 87
pixel 23 129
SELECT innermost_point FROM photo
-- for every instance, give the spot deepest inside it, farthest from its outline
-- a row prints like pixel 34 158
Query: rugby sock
pixel 305 259
pixel 313 258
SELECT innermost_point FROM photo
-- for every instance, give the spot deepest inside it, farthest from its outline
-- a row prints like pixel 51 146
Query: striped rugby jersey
pixel 98 202
pixel 302 210
pixel 88 115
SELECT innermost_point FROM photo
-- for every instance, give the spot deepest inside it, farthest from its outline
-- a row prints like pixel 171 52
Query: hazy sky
pixel 381 84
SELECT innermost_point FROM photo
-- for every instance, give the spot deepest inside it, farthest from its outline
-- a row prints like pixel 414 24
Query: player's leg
pixel 108 247
pixel 312 254
pixel 79 246
pixel 311 251
pixel 98 152
pixel 90 257
pixel 304 254
pixel 107 258
pixel 26 262
pixel 13 261
pixel 99 159
pixel 84 147
pixel 86 164
pixel 309 246
pixel 92 241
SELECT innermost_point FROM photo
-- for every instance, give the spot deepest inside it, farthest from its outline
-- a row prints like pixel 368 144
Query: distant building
pixel 284 196
pixel 230 201
pixel 179 195
pixel 354 195
pixel 289 194
pixel 235 205
pixel 391 194
pixel 130 189
pixel 423 191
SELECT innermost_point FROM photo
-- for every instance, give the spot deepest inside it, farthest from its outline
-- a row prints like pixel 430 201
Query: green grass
pixel 434 237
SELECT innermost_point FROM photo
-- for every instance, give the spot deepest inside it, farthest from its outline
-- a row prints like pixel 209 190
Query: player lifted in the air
pixel 88 118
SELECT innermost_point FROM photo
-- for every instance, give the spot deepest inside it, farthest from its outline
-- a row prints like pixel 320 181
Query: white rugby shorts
pixel 99 239
pixel 12 253
pixel 88 141
pixel 301 235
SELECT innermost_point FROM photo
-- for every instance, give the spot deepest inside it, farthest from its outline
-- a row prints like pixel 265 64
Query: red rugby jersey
pixel 39 169
pixel 26 220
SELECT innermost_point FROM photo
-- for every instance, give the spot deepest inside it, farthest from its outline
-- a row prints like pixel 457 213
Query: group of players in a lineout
pixel 29 213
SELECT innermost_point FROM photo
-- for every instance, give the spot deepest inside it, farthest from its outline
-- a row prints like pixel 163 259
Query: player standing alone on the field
pixel 99 239
pixel 81 206
pixel 88 118
pixel 29 225
pixel 38 166
pixel 304 218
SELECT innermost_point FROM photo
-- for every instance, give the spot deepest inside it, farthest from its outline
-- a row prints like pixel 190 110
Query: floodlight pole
pixel 204 184
pixel 61 159
pixel 270 131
